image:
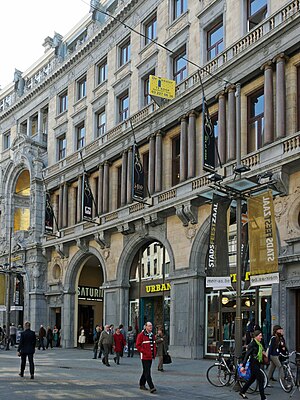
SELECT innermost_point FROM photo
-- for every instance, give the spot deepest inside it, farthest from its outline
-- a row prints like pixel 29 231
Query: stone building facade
pixel 139 261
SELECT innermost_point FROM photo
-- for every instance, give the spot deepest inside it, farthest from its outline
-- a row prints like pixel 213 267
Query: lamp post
pixel 8 292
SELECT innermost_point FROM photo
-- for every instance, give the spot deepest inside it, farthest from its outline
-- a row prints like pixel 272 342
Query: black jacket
pixel 251 353
pixel 27 342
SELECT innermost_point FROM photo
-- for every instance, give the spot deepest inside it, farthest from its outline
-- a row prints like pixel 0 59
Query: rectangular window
pixel 255 121
pixel 123 107
pixel 179 7
pixel 215 44
pixel 150 29
pixel 175 160
pixel 180 67
pixel 125 52
pixel 100 123
pixel 257 12
pixel 81 88
pixel 80 136
pixel 6 140
pixel 62 147
pixel 147 99
pixel 102 72
pixel 63 102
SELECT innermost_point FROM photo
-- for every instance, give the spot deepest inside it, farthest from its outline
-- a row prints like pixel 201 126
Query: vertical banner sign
pixel 218 259
pixel 87 203
pixel 49 215
pixel 244 245
pixel 2 289
pixel 208 139
pixel 262 234
pixel 138 187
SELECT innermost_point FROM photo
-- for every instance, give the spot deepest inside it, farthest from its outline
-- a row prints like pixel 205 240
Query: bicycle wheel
pixel 265 378
pixel 252 388
pixel 286 382
pixel 217 375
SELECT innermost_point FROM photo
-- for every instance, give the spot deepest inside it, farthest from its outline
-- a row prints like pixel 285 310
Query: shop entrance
pixel 89 296
pixel 149 288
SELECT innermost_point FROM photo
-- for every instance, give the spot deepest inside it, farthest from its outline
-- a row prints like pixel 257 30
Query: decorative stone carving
pixel 153 219
pixel 62 250
pixel 126 228
pixel 187 213
pixel 103 239
pixel 181 215
pixel 83 244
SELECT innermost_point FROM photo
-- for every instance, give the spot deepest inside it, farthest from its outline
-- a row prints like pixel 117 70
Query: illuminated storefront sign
pixel 90 293
pixel 159 287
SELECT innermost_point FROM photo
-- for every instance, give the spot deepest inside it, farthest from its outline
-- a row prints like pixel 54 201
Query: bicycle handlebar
pixel 289 354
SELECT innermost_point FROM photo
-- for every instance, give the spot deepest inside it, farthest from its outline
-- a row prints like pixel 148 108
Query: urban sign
pixel 159 287
pixel 90 293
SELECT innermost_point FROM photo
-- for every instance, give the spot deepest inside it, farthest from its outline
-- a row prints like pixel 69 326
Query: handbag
pixel 265 359
pixel 246 373
pixel 167 359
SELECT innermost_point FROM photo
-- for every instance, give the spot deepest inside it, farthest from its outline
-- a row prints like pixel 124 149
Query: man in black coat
pixel 26 348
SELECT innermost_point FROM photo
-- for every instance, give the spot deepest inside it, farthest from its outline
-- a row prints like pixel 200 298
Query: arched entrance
pixel 149 294
pixel 89 296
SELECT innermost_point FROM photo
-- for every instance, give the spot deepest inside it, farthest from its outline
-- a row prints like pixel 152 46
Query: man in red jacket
pixel 145 344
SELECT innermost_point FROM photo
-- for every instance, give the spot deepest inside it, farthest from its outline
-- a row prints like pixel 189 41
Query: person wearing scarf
pixel 146 345
pixel 254 355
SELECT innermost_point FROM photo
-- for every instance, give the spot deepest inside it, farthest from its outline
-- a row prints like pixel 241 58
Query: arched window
pixel 22 202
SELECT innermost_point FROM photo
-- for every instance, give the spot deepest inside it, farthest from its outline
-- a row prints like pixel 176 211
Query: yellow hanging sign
pixel 161 87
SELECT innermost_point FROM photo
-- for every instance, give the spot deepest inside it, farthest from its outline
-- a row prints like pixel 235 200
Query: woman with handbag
pixel 162 347
pixel 254 354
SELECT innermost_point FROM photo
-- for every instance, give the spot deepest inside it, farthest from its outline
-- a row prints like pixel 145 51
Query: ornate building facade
pixel 141 261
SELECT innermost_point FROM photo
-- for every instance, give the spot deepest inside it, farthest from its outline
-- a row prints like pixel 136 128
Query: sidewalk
pixel 73 374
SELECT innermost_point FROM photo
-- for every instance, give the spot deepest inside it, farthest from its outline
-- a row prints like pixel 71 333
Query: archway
pixel 89 296
pixel 149 293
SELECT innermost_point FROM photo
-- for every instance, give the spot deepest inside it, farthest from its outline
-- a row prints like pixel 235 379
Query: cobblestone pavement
pixel 73 374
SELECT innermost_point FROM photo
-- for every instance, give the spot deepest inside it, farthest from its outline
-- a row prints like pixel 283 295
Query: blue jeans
pixel 130 349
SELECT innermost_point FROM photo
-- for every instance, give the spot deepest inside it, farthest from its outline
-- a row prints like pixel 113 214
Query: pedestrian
pixel 12 334
pixel 42 334
pixel 26 349
pixel 162 347
pixel 130 337
pixel 277 345
pixel 82 338
pixel 254 355
pixel 107 341
pixel 49 337
pixel 119 345
pixel 112 328
pixel 96 338
pixel 55 335
pixel 145 344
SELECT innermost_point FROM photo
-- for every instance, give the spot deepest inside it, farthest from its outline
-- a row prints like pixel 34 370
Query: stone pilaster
pixel 60 206
pixel 124 179
pixel 79 199
pixel 183 149
pixel 129 175
pixel 191 159
pixel 158 162
pixel 151 173
pixel 280 96
pixel 268 103
pixel 100 190
pixel 106 187
pixel 222 126
pixel 65 205
pixel 231 125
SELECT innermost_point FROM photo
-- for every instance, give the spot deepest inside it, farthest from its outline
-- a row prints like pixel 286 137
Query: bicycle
pixel 224 373
pixel 3 343
pixel 288 381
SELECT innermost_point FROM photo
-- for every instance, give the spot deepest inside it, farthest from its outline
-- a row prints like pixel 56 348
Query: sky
pixel 25 24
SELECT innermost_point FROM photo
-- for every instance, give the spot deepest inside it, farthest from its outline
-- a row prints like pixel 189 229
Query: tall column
pixel 72 205
pixel 106 187
pixel 158 162
pixel 222 127
pixel 129 176
pixel 65 205
pixel 280 96
pixel 79 198
pixel 39 124
pixel 94 189
pixel 28 132
pixel 151 172
pixel 183 149
pixel 231 125
pixel 124 179
pixel 268 103
pixel 60 207
pixel 192 145
pixel 100 190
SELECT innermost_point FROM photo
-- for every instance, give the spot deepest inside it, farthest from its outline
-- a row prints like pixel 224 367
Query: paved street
pixel 73 374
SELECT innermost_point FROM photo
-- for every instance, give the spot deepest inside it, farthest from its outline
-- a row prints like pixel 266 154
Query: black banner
pixel 87 203
pixel 138 187
pixel 217 258
pixel 208 139
pixel 49 215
